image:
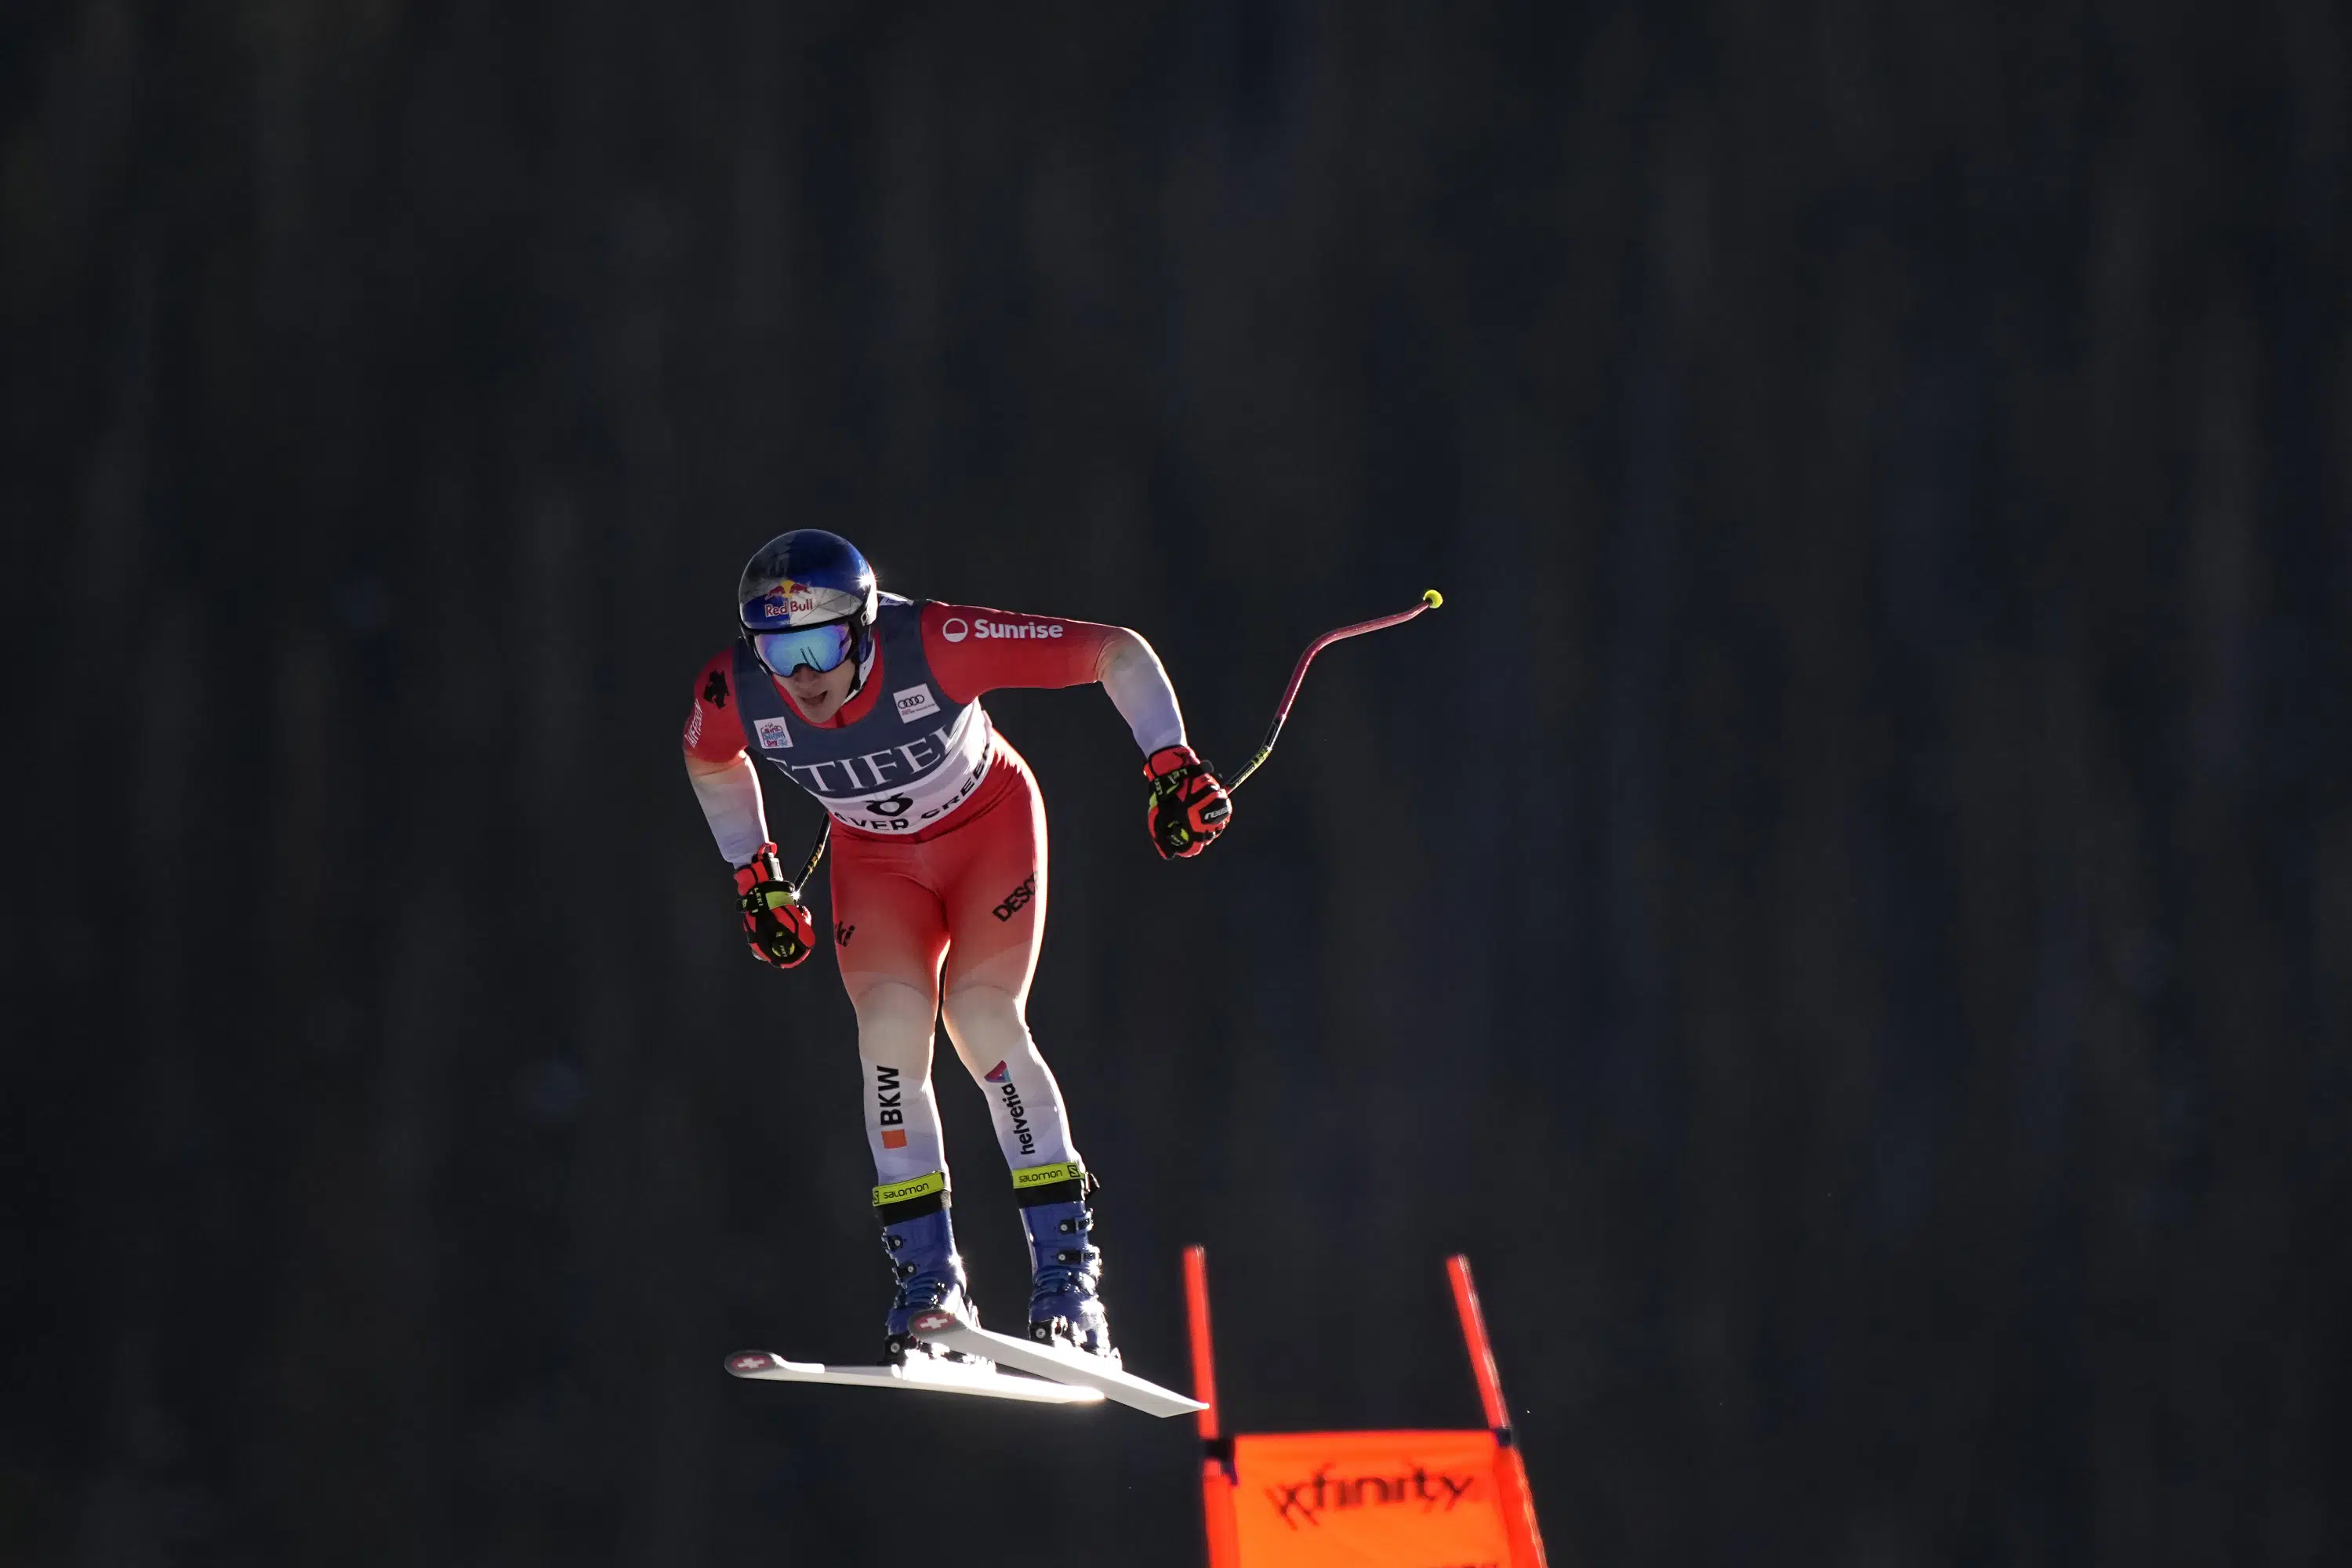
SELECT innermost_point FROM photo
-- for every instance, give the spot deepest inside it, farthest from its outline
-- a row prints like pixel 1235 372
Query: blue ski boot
pixel 921 1241
pixel 1065 1295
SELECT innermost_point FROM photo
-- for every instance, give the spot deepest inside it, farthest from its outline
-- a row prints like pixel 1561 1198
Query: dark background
pixel 1845 915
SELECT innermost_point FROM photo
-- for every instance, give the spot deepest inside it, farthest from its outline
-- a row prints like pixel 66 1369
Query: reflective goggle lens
pixel 822 648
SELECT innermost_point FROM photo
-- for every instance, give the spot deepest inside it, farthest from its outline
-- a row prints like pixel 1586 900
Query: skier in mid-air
pixel 870 702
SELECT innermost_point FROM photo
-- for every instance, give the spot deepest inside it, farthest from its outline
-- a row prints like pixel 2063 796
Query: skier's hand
pixel 777 928
pixel 1189 806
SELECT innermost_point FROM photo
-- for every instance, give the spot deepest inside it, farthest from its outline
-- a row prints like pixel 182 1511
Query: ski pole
pixel 1430 600
pixel 816 853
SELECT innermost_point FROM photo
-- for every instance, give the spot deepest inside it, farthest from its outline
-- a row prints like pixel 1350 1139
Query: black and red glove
pixel 1189 806
pixel 777 928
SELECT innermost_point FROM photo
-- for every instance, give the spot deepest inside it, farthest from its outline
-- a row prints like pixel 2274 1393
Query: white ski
pixel 922 1374
pixel 1057 1361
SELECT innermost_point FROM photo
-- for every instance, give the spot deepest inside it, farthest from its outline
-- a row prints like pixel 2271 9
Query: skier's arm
pixel 730 794
pixel 1131 675
pixel 1189 807
pixel 973 650
pixel 720 767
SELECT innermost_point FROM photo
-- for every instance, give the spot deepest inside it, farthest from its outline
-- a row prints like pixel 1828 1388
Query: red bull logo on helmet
pixel 797 603
pixel 789 599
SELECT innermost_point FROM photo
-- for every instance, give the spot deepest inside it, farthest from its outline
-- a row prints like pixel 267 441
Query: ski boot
pixel 1065 1295
pixel 921 1249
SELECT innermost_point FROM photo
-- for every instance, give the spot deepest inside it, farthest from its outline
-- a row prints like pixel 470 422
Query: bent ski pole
pixel 1430 600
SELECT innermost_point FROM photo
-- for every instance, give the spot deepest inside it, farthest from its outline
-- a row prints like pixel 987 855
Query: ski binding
pixel 1066 1366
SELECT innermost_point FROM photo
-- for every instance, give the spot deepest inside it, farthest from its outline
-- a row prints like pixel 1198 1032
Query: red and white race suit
pixel 939 864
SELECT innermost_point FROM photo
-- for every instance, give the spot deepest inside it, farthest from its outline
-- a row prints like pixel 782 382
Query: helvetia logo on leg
pixel 1020 1115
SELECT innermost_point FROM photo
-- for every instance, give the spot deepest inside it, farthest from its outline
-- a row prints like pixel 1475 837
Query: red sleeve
pixel 714 728
pixel 972 650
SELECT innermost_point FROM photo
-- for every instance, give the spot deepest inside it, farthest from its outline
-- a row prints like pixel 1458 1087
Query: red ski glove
pixel 777 928
pixel 1189 806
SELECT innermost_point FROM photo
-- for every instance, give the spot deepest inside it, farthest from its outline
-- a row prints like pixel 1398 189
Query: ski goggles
pixel 822 648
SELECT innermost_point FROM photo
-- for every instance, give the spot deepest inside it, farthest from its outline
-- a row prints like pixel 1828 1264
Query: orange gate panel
pixel 1369 1500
